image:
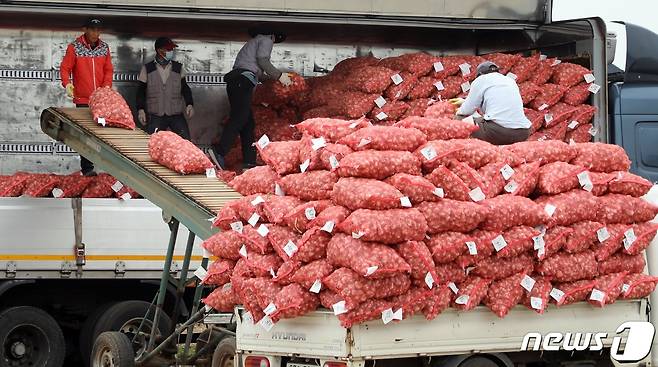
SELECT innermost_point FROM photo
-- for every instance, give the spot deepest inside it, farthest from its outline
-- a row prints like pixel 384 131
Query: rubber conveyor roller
pixel 192 199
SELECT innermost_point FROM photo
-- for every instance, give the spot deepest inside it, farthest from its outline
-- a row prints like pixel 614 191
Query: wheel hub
pixel 139 338
pixel 107 360
pixel 18 349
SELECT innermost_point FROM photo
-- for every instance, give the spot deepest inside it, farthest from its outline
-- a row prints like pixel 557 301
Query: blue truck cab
pixel 632 104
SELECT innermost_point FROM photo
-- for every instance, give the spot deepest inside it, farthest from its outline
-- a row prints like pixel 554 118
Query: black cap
pixel 93 23
pixel 267 30
pixel 166 43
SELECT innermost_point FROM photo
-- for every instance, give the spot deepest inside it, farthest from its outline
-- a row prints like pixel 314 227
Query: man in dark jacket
pixel 89 60
pixel 164 99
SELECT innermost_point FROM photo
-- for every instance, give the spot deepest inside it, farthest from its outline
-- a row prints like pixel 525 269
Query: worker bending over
pixel 499 100
pixel 251 64
pixel 89 60
pixel 163 95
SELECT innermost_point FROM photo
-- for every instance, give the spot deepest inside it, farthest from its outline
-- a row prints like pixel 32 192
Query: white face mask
pixel 169 55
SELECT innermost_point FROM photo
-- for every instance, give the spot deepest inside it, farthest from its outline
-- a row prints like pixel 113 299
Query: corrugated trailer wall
pixel 29 81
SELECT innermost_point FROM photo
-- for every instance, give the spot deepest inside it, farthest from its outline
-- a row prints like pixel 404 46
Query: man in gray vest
pixel 163 93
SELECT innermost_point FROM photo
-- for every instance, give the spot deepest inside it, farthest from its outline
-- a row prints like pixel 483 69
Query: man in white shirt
pixel 499 101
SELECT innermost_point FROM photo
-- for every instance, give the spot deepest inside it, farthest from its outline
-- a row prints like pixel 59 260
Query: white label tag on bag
pixel 387 316
pixel 125 196
pixel 272 273
pixel 258 200
pixel 237 226
pixel 572 125
pixel 205 253
pixel 253 220
pixel 278 191
pixel 397 315
pixel 380 101
pixel 207 308
pixel 428 153
pixel 548 118
pixel 429 280
pixel 210 173
pixel 542 57
pixel 363 142
pixel 270 309
pixel 397 79
pixel 405 202
pixel 629 238
pixel 439 192
pixel 603 234
pixel 462 300
pixel 543 107
pixel 266 323
pixel 594 88
pixel 316 286
pixel 572 142
pixel 499 243
pixel 465 68
pixel 476 194
pixel 333 162
pixel 263 230
pixel 472 247
pixel 453 287
pixel 438 66
pixel 357 235
pixel 117 186
pixel 466 86
pixel 290 248
pixel 538 242
pixel 541 252
pixel 597 295
pixel 371 270
pixel 328 227
pixel 589 78
pixel 304 166
pixel 557 294
pixel 339 308
pixel 201 273
pixel 593 130
pixel 439 86
pixel 536 303
pixel 550 209
pixel 507 172
pixel 101 121
pixel 585 181
pixel 309 213
pixel 318 143
pixel 57 193
pixel 556 62
pixel 354 125
pixel 511 186
pixel 625 288
pixel 469 119
pixel 263 141
pixel 243 251
pixel 512 75
pixel 528 283
pixel 381 116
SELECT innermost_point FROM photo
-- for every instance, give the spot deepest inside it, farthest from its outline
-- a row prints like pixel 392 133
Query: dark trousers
pixel 241 119
pixel 497 135
pixel 85 164
pixel 175 123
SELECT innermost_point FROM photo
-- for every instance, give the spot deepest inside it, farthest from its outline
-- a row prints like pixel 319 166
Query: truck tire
pixel 477 361
pixel 86 336
pixel 126 317
pixel 30 337
pixel 112 348
pixel 224 355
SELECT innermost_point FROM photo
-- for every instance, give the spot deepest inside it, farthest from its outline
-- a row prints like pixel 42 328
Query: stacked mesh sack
pixel 555 94
pixel 72 185
pixel 388 222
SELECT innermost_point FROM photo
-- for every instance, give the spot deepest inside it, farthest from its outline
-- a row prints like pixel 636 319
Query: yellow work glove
pixel 457 101
pixel 69 90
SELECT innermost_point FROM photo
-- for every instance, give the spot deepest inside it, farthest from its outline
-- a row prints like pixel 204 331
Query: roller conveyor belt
pixel 192 199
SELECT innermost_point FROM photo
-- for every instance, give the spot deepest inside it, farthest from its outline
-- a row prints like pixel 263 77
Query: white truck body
pixel 123 239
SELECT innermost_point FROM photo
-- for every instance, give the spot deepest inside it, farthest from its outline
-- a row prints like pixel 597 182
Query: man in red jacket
pixel 89 60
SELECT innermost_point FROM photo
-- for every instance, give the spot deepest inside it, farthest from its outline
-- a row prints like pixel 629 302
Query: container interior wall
pixel 30 59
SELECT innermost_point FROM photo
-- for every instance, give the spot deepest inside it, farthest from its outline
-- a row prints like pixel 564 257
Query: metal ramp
pixel 191 199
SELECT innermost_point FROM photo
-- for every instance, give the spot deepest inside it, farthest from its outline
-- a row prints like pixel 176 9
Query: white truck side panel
pixel 38 237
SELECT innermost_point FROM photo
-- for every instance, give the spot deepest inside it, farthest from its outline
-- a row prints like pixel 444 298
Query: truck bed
pixel 123 239
pixel 319 334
